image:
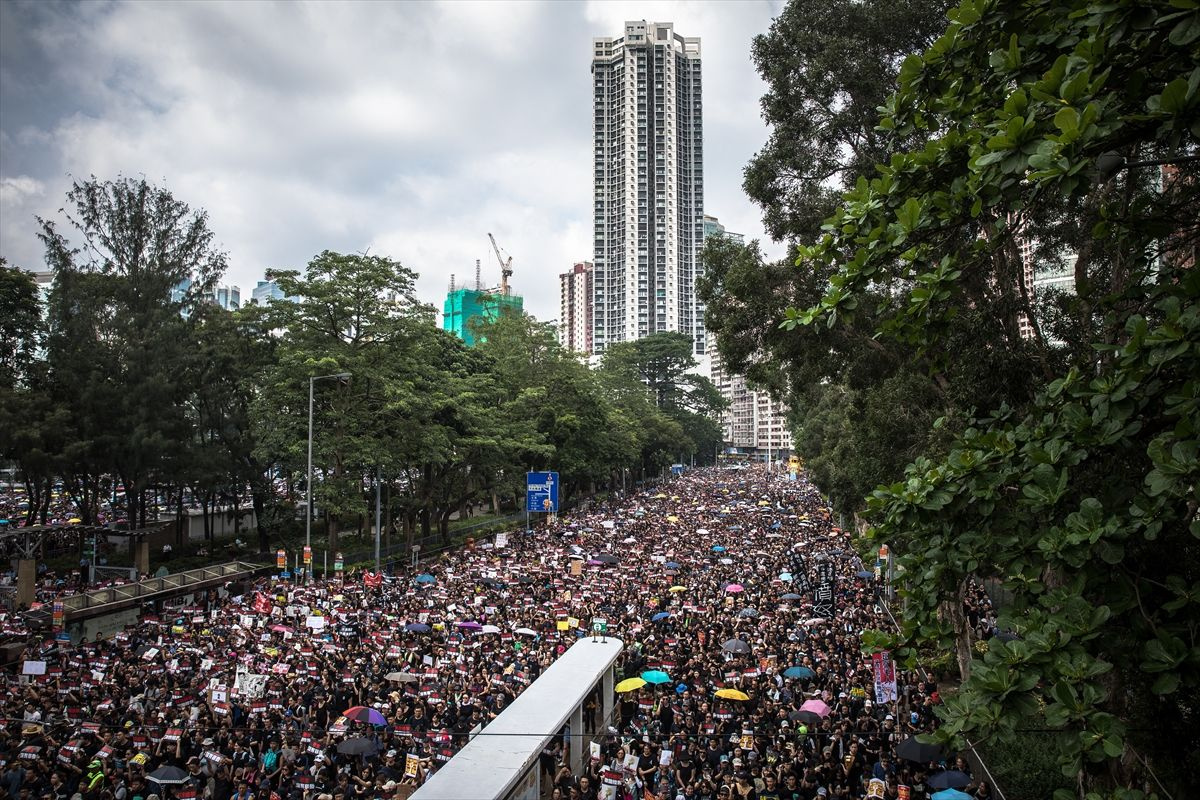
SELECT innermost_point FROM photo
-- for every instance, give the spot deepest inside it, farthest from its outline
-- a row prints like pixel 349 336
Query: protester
pixel 715 580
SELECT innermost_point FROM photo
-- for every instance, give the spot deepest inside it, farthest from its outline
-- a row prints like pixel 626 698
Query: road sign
pixel 677 469
pixel 541 492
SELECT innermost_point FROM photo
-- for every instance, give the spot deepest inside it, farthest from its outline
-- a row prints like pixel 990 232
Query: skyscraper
pixel 575 309
pixel 649 185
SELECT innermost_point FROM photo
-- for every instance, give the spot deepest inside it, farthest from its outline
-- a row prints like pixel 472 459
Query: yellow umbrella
pixel 659 497
pixel 74 520
pixel 672 518
pixel 677 589
pixel 629 684
pixel 732 694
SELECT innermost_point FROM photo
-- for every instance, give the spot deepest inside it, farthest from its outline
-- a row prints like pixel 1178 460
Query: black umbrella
pixel 736 646
pixel 607 558
pixel 358 747
pixel 169 776
pixel 492 583
pixel 912 750
pixel 791 596
pixel 950 779
pixel 807 717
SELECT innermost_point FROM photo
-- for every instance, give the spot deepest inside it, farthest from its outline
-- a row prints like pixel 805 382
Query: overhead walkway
pixel 100 602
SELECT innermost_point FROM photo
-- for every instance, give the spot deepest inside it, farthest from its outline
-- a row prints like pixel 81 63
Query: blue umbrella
pixel 671 565
pixel 798 672
pixel 425 577
pixel 865 574
pixel 681 688
pixel 951 794
pixel 786 577
pixel 660 616
pixel 417 627
pixel 656 676
pixel 776 525
pixel 718 549
pixel 735 527
pixel 950 779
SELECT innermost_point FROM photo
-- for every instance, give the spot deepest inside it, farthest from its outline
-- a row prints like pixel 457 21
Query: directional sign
pixel 541 491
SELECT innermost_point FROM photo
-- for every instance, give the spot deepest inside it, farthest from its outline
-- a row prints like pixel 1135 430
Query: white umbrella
pixel 489 629
pixel 526 631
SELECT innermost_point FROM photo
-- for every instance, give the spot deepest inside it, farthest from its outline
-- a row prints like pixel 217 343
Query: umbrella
pixel 469 625
pixel 807 717
pixel 629 684
pixel 912 750
pixel 718 549
pixel 950 779
pixel 748 612
pixel 660 616
pixel 951 794
pixel 425 577
pixel 417 627
pixel 791 596
pixel 492 583
pixel 74 520
pixel 677 589
pixel 401 677
pixel 726 560
pixel 865 573
pixel 817 707
pixel 526 631
pixel 736 646
pixel 734 588
pixel 489 629
pixel 732 694
pixel 364 714
pixel 169 776
pixel 798 672
pixel 671 565
pixel 656 676
pixel 358 747
pixel 608 558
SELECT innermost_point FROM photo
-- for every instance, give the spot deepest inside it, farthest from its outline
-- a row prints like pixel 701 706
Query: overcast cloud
pixel 409 128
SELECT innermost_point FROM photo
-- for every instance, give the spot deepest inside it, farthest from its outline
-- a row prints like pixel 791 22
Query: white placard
pixel 33 668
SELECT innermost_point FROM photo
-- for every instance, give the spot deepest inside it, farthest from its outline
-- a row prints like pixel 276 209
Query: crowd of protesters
pixel 709 580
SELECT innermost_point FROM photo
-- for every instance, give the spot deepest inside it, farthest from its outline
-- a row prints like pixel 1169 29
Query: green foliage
pixel 1080 505
pixel 662 363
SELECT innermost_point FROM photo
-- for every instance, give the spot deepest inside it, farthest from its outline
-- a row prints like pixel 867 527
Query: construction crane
pixel 506 270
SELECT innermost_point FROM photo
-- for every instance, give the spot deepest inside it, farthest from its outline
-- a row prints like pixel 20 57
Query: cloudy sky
pixel 409 128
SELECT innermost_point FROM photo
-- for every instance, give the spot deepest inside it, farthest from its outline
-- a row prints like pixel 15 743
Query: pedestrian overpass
pixel 502 761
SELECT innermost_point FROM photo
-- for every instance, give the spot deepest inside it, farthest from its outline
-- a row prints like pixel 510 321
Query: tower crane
pixel 506 270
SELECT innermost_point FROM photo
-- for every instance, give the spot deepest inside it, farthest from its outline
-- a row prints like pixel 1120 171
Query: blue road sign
pixel 541 492
pixel 677 469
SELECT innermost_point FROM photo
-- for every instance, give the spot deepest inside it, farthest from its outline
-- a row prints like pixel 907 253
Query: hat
pixel 390 754
pixel 208 742
pixel 889 716
pixel 821 792
pixel 389 786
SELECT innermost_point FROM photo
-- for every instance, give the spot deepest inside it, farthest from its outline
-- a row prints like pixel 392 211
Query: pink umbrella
pixel 734 588
pixel 817 707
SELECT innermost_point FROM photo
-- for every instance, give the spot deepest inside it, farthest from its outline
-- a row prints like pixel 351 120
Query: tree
pixel 829 65
pixel 350 313
pixel 662 363
pixel 1082 506
pixel 117 334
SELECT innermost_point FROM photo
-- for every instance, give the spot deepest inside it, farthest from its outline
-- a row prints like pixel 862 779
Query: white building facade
pixel 649 185
pixel 575 308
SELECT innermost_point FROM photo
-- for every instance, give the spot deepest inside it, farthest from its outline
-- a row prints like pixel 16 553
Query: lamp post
pixel 308 487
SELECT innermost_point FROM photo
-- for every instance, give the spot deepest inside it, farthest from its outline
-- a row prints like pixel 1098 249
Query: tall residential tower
pixel 649 185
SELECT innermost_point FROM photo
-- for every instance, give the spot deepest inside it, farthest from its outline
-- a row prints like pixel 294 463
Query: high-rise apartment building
pixel 575 308
pixel 649 185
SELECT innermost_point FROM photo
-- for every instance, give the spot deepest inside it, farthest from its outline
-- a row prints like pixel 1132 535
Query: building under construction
pixel 466 304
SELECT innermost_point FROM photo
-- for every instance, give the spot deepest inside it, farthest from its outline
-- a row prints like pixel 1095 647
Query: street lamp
pixel 341 376
pixel 1111 162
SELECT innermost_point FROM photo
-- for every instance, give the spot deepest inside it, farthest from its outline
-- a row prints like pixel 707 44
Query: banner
pixel 281 559
pixel 885 677
pixel 307 556
pixel 823 592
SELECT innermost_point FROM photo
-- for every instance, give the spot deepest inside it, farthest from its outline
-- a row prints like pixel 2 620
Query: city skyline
pixel 298 147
